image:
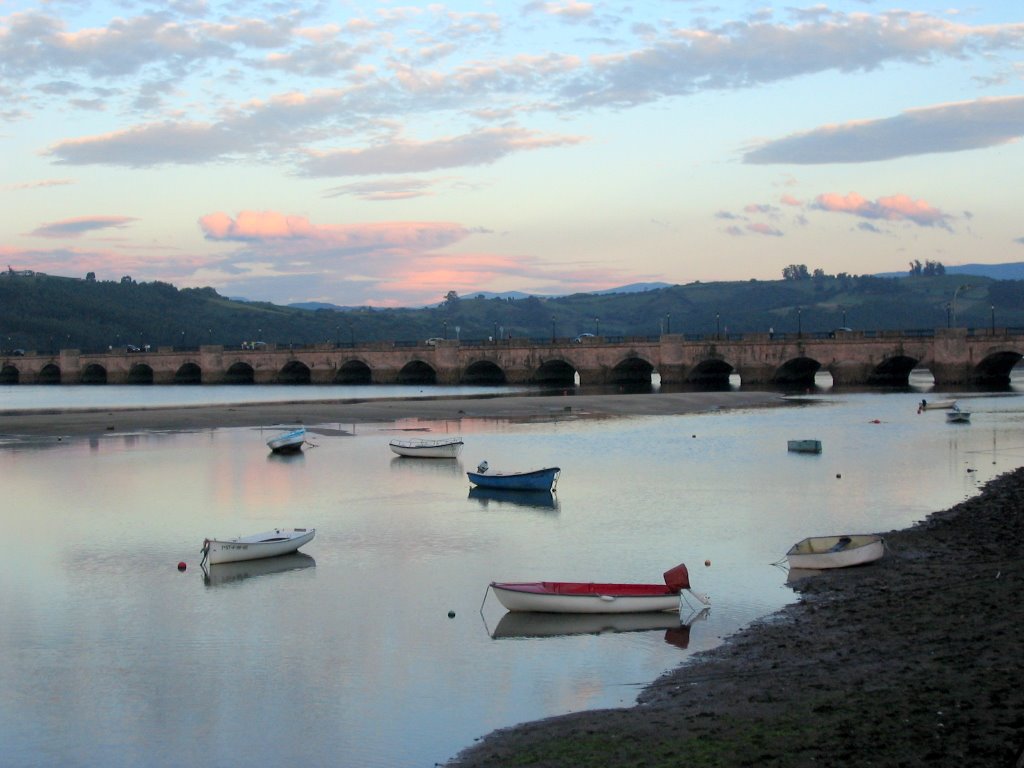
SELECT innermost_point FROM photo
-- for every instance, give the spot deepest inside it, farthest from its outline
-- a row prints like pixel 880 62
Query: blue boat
pixel 535 480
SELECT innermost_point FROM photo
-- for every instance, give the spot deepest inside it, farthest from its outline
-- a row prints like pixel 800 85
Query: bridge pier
pixel 850 373
pixel 755 374
pixel 951 373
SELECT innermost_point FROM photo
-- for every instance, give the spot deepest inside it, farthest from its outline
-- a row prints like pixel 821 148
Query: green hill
pixel 46 313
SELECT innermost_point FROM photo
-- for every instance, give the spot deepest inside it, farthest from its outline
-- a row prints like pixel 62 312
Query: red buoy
pixel 182 566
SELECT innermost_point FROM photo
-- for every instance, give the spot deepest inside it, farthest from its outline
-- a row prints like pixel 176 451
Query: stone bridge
pixel 884 358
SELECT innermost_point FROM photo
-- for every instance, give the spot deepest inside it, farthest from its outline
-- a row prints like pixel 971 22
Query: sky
pixel 384 154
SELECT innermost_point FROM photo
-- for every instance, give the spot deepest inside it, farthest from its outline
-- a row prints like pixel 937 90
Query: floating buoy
pixel 182 566
pixel 451 614
pixel 707 563
pixel 838 476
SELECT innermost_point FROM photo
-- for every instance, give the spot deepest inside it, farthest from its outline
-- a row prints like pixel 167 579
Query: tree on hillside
pixel 796 272
pixel 930 268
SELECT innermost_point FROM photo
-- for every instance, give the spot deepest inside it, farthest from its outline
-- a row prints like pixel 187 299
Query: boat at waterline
pixel 935 405
pixel 232 573
pixel 534 480
pixel 445 448
pixel 819 552
pixel 591 597
pixel 955 416
pixel 280 541
pixel 804 446
pixel 288 442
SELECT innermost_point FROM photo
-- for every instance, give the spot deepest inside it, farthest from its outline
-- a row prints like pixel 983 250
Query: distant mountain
pixel 1013 270
pixel 635 288
pixel 318 305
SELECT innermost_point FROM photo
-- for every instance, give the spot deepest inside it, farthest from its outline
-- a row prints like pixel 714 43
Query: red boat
pixel 591 597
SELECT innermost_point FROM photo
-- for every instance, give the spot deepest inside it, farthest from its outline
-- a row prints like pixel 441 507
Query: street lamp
pixel 799 323
pixel 552 329
pixel 444 324
pixel 668 322
pixel 495 336
pixel 844 316
pixel 718 325
pixel 947 315
pixel 993 308
pixel 597 326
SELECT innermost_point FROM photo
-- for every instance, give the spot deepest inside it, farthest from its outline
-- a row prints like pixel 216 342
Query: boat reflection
pixel 527 625
pixel 412 464
pixel 537 499
pixel 285 458
pixel 220 574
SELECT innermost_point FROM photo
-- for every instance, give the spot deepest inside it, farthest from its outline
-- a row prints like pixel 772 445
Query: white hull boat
pixel 935 405
pixel 280 541
pixel 590 597
pixel 445 448
pixel 819 552
pixel 288 442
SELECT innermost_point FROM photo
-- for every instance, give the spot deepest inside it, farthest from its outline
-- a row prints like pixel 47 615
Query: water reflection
pixel 411 465
pixel 220 574
pixel 286 458
pixel 533 625
pixel 501 496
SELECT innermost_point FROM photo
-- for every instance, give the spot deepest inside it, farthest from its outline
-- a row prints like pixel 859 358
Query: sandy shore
pixel 532 408
pixel 916 660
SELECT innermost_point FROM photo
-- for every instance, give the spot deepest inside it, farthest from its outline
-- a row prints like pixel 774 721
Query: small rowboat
pixel 288 442
pixel 935 405
pixel 817 552
pixel 446 448
pixel 280 541
pixel 804 446
pixel 955 416
pixel 590 597
pixel 535 480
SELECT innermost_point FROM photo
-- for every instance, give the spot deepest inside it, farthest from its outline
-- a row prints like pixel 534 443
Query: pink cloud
pixel 790 200
pixel 891 208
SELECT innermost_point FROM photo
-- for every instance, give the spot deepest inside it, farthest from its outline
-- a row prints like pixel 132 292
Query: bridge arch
pixel 710 374
pixel 353 372
pixel 294 372
pixel 188 373
pixel 994 369
pixel 9 375
pixel 140 373
pixel 797 372
pixel 417 372
pixel 239 373
pixel 484 373
pixel 49 374
pixel 94 373
pixel 555 373
pixel 893 371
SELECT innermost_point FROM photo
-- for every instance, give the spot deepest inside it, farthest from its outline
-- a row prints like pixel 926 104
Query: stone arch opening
pixel 994 370
pixel 140 373
pixel 94 373
pixel 417 372
pixel 239 373
pixel 711 375
pixel 9 375
pixel 798 372
pixel 893 372
pixel 633 375
pixel 484 373
pixel 294 372
pixel 189 373
pixel 49 374
pixel 555 373
pixel 354 372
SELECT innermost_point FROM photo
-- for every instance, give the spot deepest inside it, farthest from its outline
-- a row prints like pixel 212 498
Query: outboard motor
pixel 482 467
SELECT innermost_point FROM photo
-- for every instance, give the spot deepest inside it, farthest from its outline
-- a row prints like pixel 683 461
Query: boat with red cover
pixel 593 597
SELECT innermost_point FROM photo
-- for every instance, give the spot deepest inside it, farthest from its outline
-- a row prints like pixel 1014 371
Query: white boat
pixel 280 541
pixel 590 597
pixel 935 405
pixel 442 448
pixel 804 446
pixel 955 416
pixel 818 552
pixel 288 442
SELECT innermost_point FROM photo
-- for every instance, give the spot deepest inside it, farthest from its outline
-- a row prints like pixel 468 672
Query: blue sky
pixel 385 154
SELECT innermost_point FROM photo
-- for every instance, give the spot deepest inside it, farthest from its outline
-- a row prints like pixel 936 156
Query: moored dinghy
pixel 444 448
pixel 591 597
pixel 804 446
pixel 288 442
pixel 534 480
pixel 957 416
pixel 818 552
pixel 280 541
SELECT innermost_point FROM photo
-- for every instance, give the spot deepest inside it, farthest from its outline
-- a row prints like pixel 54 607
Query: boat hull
pixel 537 480
pixel 958 417
pixel 280 541
pixel 544 597
pixel 804 446
pixel 821 552
pixel 289 442
pixel 427 449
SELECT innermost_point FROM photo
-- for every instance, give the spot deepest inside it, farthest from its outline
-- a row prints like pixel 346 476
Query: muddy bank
pixel 913 661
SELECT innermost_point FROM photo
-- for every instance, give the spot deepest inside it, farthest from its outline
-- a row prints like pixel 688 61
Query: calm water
pixel 109 656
